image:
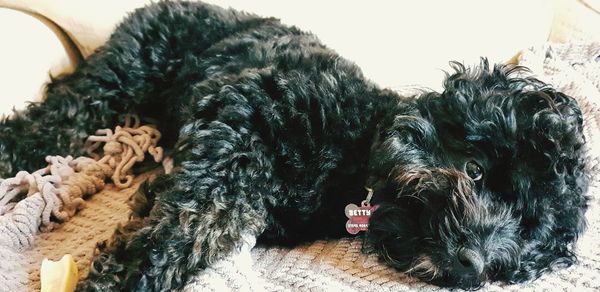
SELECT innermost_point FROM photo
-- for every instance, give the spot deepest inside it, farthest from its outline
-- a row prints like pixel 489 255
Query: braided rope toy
pixel 44 198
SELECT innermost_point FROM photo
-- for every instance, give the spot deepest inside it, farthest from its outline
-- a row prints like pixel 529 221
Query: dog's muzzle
pixel 468 231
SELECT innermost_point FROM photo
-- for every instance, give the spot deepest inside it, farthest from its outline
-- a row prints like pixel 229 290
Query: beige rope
pixel 124 148
pixel 55 193
pixel 30 202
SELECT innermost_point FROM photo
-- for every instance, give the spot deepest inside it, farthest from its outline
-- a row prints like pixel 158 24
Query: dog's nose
pixel 470 261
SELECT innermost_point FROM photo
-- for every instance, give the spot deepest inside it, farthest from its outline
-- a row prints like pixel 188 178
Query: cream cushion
pixel 576 21
pixel 395 42
pixel 29 52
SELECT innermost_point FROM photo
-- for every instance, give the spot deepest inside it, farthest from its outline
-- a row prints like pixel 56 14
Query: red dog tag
pixel 358 217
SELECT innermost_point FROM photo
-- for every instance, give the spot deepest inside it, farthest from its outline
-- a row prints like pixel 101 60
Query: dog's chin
pixel 405 248
pixel 462 283
pixel 426 269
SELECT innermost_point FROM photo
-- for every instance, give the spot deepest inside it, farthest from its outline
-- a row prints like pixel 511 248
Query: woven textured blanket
pixel 333 265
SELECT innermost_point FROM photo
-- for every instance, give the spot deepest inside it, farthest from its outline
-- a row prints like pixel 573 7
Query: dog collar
pixel 358 217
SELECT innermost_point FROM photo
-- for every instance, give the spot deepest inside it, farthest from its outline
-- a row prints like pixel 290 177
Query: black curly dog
pixel 274 134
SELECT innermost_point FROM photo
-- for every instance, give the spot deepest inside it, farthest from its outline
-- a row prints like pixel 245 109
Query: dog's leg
pixel 201 214
pixel 128 74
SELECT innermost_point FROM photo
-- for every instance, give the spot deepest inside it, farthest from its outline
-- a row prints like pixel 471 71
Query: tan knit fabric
pixel 78 237
pixel 339 265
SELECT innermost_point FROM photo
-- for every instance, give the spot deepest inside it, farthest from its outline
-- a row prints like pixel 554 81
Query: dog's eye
pixel 473 170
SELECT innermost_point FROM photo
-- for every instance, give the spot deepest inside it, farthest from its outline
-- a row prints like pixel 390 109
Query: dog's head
pixel 486 181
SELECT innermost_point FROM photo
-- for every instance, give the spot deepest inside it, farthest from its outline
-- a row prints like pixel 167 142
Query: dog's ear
pixel 551 155
pixel 550 123
pixel 551 149
pixel 540 259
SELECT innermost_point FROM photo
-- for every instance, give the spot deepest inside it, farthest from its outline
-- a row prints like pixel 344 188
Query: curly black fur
pixel 522 218
pixel 274 134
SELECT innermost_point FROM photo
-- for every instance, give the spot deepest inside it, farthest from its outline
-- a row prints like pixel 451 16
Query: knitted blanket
pixel 333 265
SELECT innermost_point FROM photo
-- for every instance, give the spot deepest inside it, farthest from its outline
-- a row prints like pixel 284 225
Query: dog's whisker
pixel 424 267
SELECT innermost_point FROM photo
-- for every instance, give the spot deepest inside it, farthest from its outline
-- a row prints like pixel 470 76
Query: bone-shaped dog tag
pixel 358 217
